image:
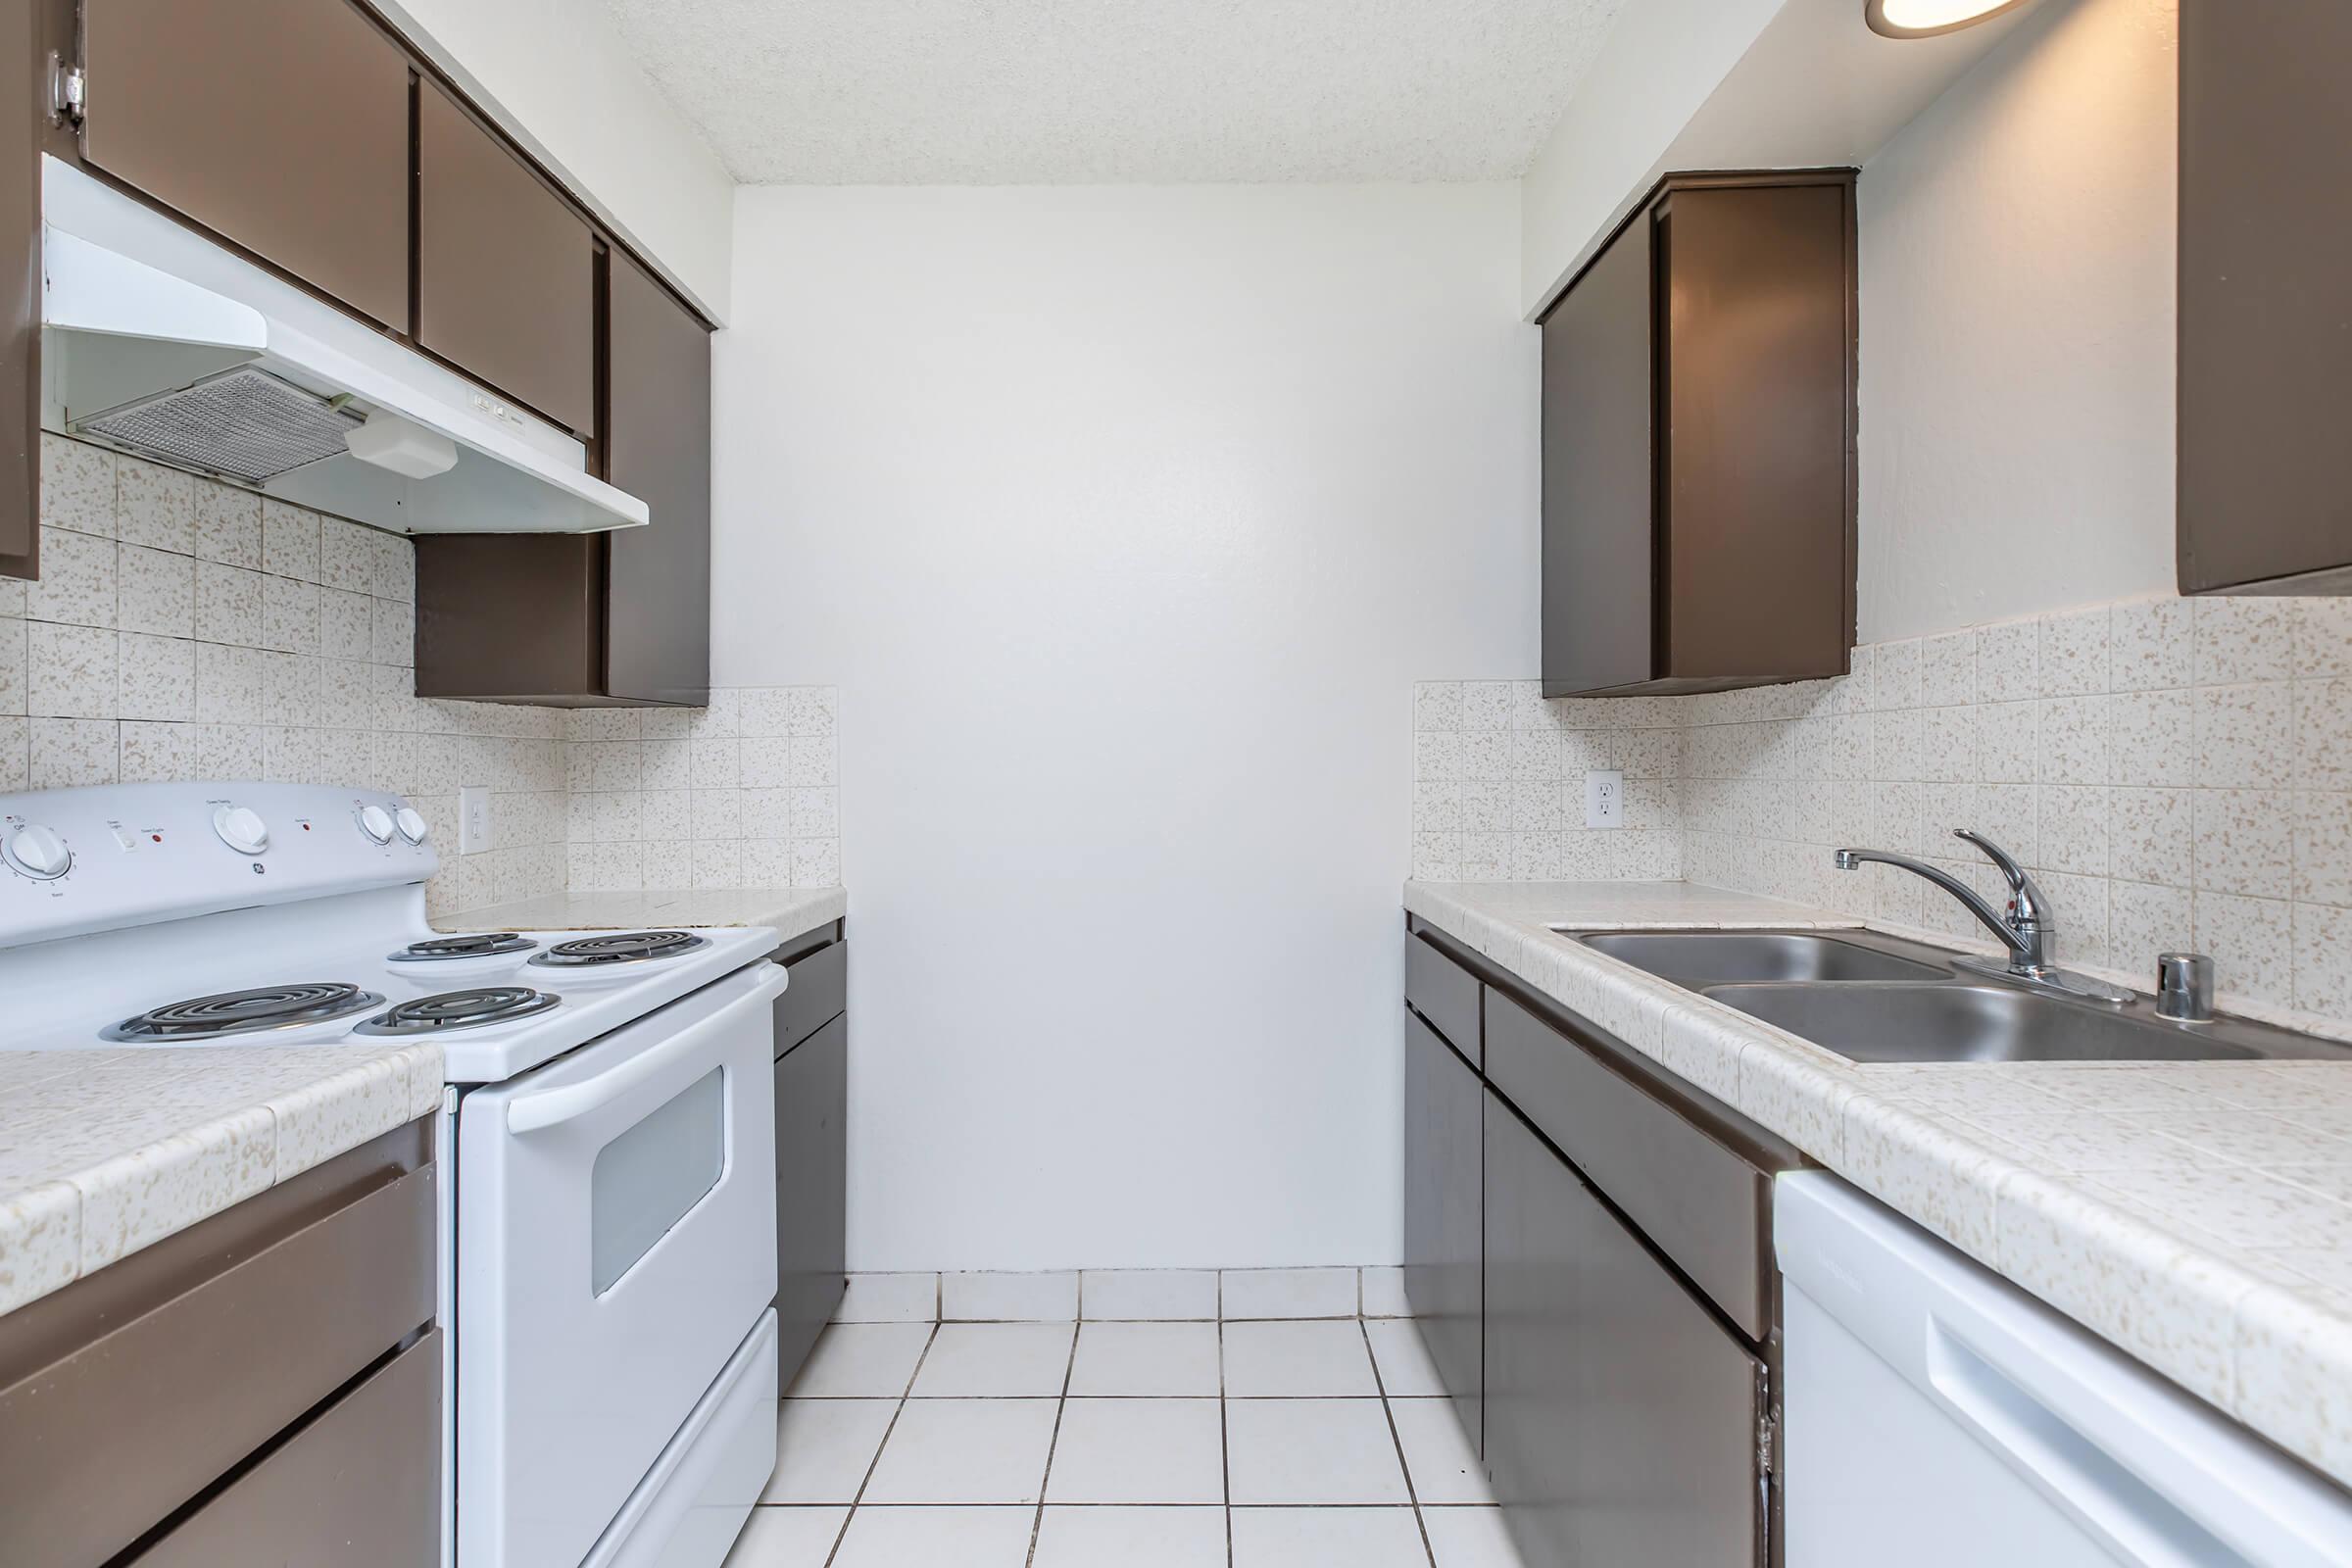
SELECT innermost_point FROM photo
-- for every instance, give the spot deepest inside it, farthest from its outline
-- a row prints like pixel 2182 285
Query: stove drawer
pixel 127 1393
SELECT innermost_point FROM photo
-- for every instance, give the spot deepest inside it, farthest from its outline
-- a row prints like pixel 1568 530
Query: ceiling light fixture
pixel 1925 18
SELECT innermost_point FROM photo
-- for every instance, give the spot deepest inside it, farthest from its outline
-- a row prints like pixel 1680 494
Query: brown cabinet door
pixel 19 288
pixel 506 271
pixel 1621 1420
pixel 658 448
pixel 1756 573
pixel 1596 475
pixel 281 125
pixel 2265 296
pixel 1444 1206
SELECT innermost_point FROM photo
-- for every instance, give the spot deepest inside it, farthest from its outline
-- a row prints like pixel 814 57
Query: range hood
pixel 159 342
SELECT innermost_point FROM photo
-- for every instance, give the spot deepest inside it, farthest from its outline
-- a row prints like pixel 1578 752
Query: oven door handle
pixel 552 1108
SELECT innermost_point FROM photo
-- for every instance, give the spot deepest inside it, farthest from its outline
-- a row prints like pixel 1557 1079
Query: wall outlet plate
pixel 1604 798
pixel 474 820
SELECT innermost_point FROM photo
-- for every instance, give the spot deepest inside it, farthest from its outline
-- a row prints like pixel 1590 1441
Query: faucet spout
pixel 2025 944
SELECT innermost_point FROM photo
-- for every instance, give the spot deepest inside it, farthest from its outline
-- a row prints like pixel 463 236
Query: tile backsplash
pixel 1498 785
pixel 743 792
pixel 184 629
pixel 2178 773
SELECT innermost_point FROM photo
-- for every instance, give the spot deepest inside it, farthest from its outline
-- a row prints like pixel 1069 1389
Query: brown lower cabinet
pixel 1587 1257
pixel 1444 1187
pixel 263 1386
pixel 1698 416
pixel 812 1108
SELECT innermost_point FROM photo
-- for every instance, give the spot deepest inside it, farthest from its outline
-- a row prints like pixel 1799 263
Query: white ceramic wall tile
pixel 1158 1295
pixel 742 794
pixel 2173 772
pixel 993 1297
pixel 1270 1293
pixel 890 1299
pixel 177 633
pixel 1498 785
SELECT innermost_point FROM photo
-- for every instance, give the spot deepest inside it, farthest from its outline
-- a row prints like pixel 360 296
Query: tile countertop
pixel 793 912
pixel 104 1151
pixel 2196 1214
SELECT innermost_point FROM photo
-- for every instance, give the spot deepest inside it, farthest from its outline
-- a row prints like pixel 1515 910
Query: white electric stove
pixel 608 1227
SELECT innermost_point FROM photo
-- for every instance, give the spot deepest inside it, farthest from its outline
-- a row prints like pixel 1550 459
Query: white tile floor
pixel 1253 1419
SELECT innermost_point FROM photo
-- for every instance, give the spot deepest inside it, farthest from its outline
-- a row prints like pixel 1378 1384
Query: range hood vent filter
pixel 245 425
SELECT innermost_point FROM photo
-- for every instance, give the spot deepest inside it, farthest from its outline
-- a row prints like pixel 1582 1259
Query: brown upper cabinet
pixel 616 619
pixel 658 448
pixel 24 84
pixel 2264 490
pixel 1698 443
pixel 282 126
pixel 506 270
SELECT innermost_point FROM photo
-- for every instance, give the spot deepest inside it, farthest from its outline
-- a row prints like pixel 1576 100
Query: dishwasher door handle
pixel 2116 1455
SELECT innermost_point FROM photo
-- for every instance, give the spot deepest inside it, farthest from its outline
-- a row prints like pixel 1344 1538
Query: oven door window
pixel 651 1177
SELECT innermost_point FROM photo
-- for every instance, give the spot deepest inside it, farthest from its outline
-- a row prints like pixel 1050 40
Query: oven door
pixel 617 1236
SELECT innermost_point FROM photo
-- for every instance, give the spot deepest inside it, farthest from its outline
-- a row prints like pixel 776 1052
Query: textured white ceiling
pixel 1130 91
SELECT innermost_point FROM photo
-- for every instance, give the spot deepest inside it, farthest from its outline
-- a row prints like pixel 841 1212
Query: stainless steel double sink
pixel 1877 998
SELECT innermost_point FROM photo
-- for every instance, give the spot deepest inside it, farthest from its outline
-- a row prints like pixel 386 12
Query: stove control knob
pixel 376 823
pixel 411 825
pixel 39 852
pixel 241 828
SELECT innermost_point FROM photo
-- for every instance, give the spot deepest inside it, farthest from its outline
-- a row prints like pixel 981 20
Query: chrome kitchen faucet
pixel 2025 928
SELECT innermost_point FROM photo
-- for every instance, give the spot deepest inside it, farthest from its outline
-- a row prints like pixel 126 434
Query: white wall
pixel 1662 60
pixel 2017 255
pixel 556 76
pixel 1124 519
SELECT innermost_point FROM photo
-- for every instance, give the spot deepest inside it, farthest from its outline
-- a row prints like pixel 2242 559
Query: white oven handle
pixel 552 1108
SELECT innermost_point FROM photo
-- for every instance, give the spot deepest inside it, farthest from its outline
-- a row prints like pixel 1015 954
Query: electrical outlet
pixel 474 820
pixel 1604 798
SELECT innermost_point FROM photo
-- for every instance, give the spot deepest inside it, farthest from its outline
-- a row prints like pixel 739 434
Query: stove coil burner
pixel 631 946
pixel 460 1009
pixel 236 1012
pixel 482 945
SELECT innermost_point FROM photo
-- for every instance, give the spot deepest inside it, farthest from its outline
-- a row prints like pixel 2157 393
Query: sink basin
pixel 1968 1023
pixel 1698 958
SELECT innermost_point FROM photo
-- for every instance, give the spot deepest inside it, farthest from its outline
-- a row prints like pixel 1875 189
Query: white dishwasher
pixel 1937 1416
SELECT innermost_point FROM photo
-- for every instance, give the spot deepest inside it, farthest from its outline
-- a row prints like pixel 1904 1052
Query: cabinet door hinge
pixel 69 92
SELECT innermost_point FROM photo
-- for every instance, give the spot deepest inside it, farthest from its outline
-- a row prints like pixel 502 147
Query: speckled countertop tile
pixel 104 1151
pixel 793 912
pixel 2196 1214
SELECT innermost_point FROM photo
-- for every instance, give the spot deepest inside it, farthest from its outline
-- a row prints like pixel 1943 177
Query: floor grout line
pixel 906 1399
pixel 1389 1414
pixel 875 1463
pixel 1036 1525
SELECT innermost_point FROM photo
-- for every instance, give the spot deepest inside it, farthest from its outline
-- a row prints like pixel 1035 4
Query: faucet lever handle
pixel 2026 901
